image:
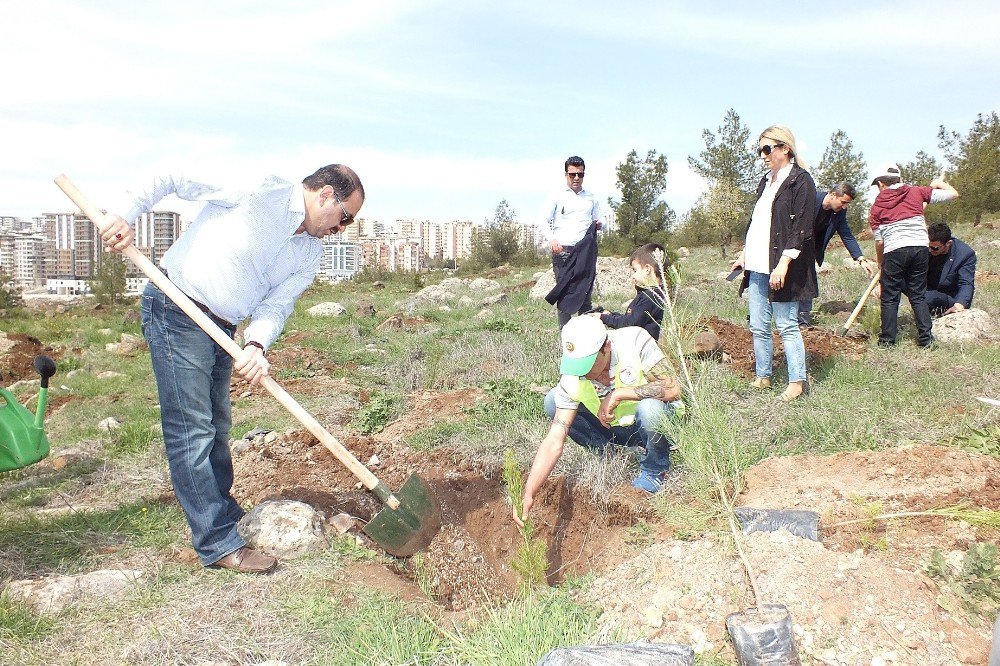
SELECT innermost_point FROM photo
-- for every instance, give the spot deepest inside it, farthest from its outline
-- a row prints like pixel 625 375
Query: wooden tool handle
pixel 228 344
pixel 861 303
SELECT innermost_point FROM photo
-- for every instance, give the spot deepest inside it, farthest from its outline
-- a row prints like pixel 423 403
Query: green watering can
pixel 22 441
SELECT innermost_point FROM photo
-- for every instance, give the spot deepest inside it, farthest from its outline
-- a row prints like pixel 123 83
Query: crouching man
pixel 615 389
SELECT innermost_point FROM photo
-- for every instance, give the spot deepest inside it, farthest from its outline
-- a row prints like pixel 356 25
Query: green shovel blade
pixel 410 528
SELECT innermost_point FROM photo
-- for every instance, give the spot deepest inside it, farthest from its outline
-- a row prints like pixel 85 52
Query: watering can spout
pixel 45 367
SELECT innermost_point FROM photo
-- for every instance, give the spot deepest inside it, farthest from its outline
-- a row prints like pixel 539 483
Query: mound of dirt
pixel 820 344
pixel 17 356
pixel 844 486
pixel 859 597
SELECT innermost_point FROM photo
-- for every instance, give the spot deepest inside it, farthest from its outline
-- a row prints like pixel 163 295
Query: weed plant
pixel 973 590
pixel 381 410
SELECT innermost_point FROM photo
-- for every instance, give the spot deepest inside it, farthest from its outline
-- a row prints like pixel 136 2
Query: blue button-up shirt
pixel 241 256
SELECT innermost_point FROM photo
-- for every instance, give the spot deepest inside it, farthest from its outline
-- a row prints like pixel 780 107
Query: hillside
pixel 441 378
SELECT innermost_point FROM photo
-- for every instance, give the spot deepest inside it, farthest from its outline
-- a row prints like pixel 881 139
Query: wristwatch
pixel 254 343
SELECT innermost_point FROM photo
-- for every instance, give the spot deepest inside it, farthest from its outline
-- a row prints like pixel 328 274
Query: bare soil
pixel 469 560
pixel 17 360
pixel 737 343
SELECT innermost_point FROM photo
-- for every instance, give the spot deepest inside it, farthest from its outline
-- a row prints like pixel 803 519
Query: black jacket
pixel 576 278
pixel 645 311
pixel 792 217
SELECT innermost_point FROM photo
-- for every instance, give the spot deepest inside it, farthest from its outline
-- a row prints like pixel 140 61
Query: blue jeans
pixel 192 379
pixel 786 318
pixel 586 430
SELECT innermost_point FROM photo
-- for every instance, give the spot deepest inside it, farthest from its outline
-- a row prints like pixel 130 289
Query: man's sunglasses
pixel 578 174
pixel 348 218
pixel 767 148
pixel 937 248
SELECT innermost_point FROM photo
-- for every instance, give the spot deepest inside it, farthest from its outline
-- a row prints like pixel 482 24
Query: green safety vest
pixel 586 394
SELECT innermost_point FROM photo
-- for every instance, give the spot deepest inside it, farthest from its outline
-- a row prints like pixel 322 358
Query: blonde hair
pixel 782 134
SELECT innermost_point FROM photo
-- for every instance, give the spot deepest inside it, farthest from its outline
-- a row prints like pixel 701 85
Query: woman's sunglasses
pixel 766 148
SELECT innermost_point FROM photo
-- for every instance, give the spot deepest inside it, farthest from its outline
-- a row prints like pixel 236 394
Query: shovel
pixel 410 518
pixel 861 303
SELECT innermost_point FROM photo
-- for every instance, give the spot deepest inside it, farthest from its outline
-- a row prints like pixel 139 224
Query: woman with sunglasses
pixel 778 259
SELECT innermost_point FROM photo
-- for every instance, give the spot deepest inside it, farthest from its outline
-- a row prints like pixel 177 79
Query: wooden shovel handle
pixel 228 344
pixel 864 297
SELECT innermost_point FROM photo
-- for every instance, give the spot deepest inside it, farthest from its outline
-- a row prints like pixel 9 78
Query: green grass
pixel 365 628
pixel 439 434
pixel 73 541
pixel 19 624
pixel 523 631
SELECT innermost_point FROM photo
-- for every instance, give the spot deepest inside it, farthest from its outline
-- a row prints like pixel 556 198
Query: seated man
pixel 615 389
pixel 951 272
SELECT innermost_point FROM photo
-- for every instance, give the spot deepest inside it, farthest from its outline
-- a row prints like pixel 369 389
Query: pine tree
pixel 731 156
pixel 641 216
pixel 840 164
pixel 975 161
pixel 108 285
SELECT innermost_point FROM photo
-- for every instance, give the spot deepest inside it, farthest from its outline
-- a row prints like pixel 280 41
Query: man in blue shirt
pixel 831 217
pixel 247 254
pixel 951 272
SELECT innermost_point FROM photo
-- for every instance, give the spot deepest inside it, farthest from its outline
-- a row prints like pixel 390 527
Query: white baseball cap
pixel 890 170
pixel 582 337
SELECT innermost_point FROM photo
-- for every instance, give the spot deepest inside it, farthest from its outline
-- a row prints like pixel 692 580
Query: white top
pixel 757 255
pixel 568 216
pixel 911 232
pixel 240 256
pixel 631 336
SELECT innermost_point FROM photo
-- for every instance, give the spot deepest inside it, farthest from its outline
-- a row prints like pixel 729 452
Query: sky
pixel 447 107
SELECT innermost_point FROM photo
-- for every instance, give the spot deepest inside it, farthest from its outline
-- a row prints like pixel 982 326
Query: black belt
pixel 219 321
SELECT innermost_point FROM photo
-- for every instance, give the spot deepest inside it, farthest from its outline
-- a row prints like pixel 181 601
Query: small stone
pixel 342 523
pixel 374 461
pixel 653 617
pixel 246 394
pixel 109 425
pixel 270 437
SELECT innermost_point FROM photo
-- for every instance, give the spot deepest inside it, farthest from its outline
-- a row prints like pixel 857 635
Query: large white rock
pixel 328 309
pixel 53 593
pixel 483 284
pixel 972 325
pixel 284 528
pixel 435 293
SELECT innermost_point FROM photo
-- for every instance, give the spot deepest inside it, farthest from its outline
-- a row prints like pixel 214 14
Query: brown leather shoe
pixel 247 560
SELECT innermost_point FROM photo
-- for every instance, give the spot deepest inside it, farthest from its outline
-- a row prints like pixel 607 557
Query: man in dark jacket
pixel 831 218
pixel 951 272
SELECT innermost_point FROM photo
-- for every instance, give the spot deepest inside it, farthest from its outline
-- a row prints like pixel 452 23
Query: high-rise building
pixel 155 232
pixel 341 258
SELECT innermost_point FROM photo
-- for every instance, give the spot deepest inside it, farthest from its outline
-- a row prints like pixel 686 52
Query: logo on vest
pixel 628 375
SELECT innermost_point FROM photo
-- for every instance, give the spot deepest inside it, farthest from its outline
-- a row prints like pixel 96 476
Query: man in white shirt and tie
pixel 247 254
